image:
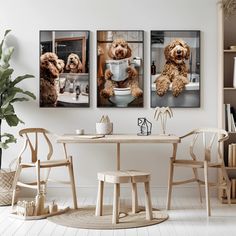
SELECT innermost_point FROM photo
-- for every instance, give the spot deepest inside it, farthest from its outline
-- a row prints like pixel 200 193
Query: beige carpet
pixel 85 218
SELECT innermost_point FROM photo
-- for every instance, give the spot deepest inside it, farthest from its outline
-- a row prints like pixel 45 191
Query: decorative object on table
pixel 53 207
pixel 120 57
pixel 31 137
pixel 25 208
pixel 145 126
pixel 234 79
pixel 104 126
pixel 9 93
pixel 64 68
pixel 80 131
pixel 116 178
pixel 84 218
pixel 163 113
pixel 177 79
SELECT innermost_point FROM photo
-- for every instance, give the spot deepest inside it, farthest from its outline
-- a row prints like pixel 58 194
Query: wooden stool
pixel 117 178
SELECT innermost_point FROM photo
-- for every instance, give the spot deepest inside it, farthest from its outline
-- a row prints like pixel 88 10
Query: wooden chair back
pixel 28 134
pixel 209 136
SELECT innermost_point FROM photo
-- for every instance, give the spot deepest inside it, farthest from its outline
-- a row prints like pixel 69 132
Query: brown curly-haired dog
pixel 175 69
pixel 119 49
pixel 74 64
pixel 60 65
pixel 50 68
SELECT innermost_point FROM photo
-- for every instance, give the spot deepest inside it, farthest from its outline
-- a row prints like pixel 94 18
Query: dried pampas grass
pixel 229 7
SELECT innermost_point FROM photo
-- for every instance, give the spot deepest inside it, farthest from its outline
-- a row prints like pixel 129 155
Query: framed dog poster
pixel 175 68
pixel 120 68
pixel 64 68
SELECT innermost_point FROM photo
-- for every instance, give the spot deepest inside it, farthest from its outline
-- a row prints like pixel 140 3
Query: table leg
pixel 118 168
pixel 170 179
pixel 118 156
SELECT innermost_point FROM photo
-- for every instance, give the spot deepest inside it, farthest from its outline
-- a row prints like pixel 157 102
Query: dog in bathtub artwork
pixel 176 83
pixel 120 85
pixel 175 69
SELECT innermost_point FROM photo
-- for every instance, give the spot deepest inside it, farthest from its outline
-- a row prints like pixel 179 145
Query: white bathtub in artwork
pixel 190 97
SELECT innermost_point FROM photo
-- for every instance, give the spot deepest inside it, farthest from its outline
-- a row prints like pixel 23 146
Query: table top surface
pixel 117 138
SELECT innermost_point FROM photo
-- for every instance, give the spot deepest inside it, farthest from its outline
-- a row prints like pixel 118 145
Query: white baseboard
pixel 91 191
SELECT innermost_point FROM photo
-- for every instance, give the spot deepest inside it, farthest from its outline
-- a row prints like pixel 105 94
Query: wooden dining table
pixel 119 139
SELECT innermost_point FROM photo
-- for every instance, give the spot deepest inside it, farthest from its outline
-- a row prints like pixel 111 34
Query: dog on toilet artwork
pixel 122 77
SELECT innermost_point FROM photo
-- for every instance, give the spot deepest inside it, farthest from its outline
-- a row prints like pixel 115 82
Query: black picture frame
pixel 135 40
pixel 72 87
pixel 190 96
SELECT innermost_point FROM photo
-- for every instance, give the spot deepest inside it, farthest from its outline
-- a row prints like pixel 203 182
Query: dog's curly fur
pixel 175 69
pixel 60 65
pixel 74 64
pixel 119 49
pixel 50 68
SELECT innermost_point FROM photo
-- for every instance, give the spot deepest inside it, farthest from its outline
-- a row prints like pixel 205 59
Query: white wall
pixel 27 17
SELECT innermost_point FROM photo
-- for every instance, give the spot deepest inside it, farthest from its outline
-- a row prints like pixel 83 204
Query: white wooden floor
pixel 188 217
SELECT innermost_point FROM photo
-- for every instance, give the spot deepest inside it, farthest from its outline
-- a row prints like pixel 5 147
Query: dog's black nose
pixel 178 51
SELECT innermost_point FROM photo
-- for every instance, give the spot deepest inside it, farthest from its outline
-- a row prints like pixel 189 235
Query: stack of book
pixel 230 118
pixel 233 188
pixel 232 155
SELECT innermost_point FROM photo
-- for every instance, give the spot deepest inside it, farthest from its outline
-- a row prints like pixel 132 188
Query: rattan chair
pixel 211 138
pixel 38 163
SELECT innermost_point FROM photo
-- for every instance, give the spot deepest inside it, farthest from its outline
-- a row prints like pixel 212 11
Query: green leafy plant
pixel 9 94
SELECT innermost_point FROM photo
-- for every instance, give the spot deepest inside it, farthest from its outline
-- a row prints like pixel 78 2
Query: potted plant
pixel 10 93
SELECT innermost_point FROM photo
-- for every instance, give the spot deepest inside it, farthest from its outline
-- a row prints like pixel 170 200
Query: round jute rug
pixel 85 218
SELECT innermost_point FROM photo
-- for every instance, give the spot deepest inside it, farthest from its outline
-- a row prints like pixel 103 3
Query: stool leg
pixel 99 206
pixel 148 201
pixel 115 215
pixel 134 198
pixel 118 194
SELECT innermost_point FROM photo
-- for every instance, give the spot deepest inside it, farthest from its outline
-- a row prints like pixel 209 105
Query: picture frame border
pixel 89 72
pixel 97 93
pixel 200 73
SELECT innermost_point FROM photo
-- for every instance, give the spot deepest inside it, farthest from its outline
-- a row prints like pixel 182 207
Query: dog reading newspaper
pixel 118 68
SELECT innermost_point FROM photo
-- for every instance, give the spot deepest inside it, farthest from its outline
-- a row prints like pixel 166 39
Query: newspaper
pixel 118 68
